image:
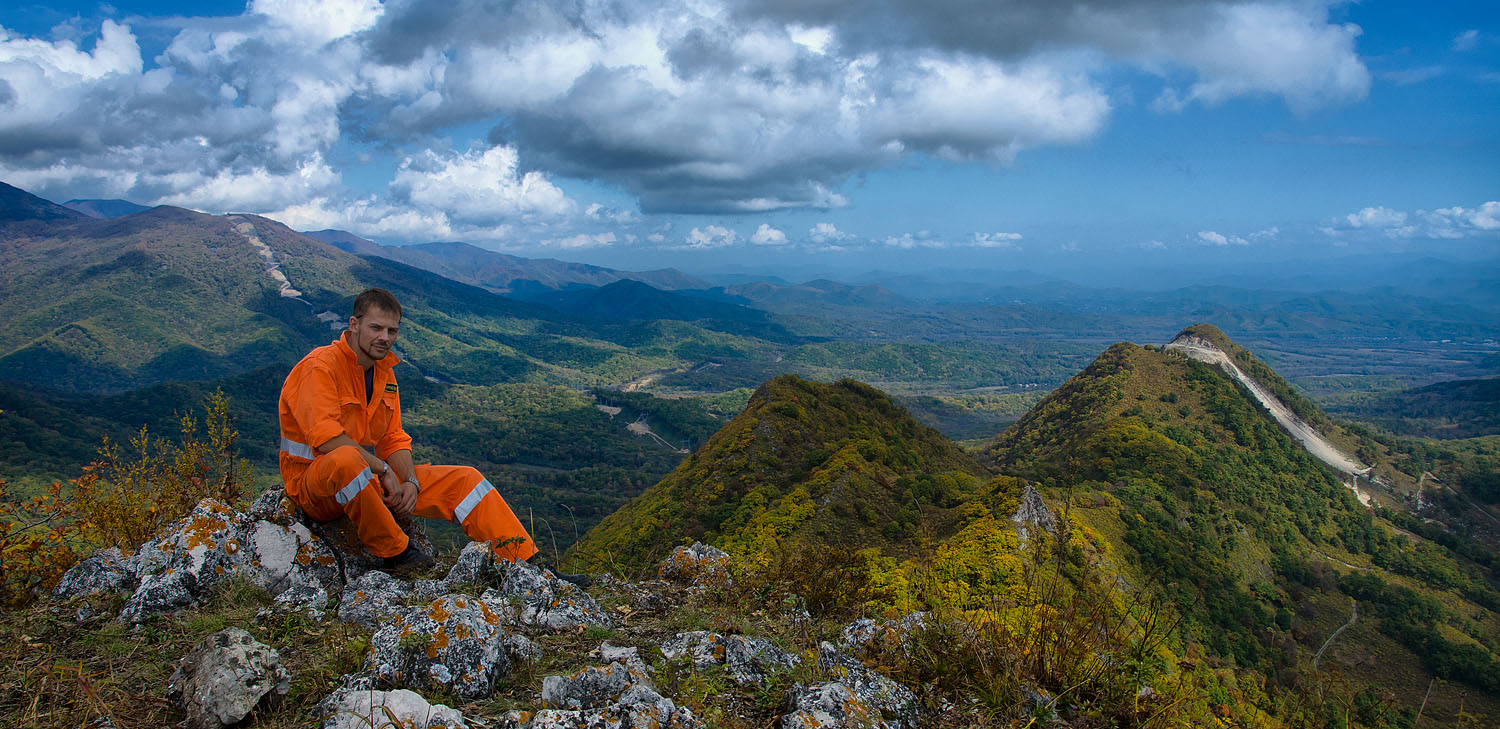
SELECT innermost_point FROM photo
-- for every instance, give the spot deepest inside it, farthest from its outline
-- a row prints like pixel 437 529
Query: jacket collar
pixel 342 344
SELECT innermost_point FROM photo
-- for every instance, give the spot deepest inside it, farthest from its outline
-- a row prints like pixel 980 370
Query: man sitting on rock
pixel 343 451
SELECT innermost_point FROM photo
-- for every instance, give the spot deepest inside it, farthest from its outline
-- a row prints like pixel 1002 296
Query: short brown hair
pixel 378 298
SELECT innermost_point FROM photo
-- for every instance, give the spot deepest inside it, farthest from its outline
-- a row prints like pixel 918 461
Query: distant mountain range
pixel 501 272
pixel 105 208
pixel 113 304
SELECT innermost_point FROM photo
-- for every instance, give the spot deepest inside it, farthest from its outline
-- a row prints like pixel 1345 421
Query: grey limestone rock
pixel 864 636
pixel 178 567
pixel 828 706
pixel 1033 513
pixel 354 708
pixel 613 696
pixel 630 656
pixel 107 570
pixel 311 600
pixel 372 598
pixel 747 660
pixel 522 649
pixel 897 704
pixel 698 565
pixel 455 643
pixel 225 677
pixel 548 602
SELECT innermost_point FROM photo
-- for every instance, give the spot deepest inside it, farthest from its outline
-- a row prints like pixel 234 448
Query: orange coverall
pixel 324 397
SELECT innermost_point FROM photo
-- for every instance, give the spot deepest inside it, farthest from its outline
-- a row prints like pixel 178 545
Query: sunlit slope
pixel 835 464
pixel 1206 497
pixel 169 294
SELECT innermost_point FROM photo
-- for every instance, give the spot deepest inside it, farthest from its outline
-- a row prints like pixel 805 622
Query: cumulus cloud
pixel 1376 217
pixel 825 233
pixel 1219 239
pixel 478 186
pixel 711 236
pixel 711 106
pixel 996 240
pixel 1443 223
pixel 765 235
pixel 919 239
pixel 584 240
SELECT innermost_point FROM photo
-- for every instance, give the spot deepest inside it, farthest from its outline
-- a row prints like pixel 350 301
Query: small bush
pixel 122 499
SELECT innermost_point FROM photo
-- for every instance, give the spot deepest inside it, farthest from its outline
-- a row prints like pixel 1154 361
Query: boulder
pixel 630 656
pixel 454 643
pixel 178 567
pixel 310 600
pixel 352 708
pixel 225 677
pixel 340 537
pixel 865 636
pixel 521 649
pixel 699 565
pixel 897 704
pixel 615 696
pixel 546 601
pixel 828 706
pixel 747 660
pixel 107 570
pixel 372 598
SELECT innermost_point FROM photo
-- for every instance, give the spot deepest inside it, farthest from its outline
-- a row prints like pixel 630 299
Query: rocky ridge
pixel 436 640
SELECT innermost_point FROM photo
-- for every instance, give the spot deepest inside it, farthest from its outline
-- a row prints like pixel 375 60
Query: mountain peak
pixel 805 463
pixel 18 205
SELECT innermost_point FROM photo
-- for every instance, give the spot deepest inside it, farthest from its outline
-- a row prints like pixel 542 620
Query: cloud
pixel 1219 239
pixel 909 241
pixel 1153 245
pixel 584 240
pixel 824 233
pixel 1376 217
pixel 1443 223
pixel 479 186
pixel 711 236
pixel 708 106
pixel 1466 41
pixel 996 240
pixel 765 235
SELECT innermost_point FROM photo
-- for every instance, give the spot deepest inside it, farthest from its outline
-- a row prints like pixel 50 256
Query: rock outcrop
pixel 225 677
pixel 455 643
pixel 746 660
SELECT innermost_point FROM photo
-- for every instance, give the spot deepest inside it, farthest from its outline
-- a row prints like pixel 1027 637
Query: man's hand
pixel 398 496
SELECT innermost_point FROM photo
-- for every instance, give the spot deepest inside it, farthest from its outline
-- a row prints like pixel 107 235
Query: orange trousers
pixel 339 483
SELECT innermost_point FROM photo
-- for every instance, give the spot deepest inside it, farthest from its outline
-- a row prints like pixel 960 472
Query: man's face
pixel 374 333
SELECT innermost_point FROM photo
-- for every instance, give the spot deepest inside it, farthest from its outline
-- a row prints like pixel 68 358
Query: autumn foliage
pixel 127 495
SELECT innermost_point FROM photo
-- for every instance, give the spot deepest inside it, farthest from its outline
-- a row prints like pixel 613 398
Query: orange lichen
pixel 439 641
pixel 437 612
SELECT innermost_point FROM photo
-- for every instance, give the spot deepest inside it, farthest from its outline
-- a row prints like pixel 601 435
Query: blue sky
pixel 907 133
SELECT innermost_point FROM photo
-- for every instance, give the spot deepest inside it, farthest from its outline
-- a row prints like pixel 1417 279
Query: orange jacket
pixel 324 397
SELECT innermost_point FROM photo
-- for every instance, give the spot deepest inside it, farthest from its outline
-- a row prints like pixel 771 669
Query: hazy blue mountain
pixel 17 205
pixel 105 208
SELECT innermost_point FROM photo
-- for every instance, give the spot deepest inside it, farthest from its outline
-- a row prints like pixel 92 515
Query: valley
pixel 1249 490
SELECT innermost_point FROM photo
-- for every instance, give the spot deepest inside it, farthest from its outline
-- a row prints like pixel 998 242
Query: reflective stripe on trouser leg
pixel 460 494
pixel 339 482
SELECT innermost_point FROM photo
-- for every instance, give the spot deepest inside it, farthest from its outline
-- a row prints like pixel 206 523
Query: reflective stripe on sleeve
pixel 352 489
pixel 300 450
pixel 461 512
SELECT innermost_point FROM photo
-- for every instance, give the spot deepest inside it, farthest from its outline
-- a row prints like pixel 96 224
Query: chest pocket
pixel 381 413
pixel 352 417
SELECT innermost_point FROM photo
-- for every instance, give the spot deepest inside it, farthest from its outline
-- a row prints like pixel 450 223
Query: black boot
pixel 544 563
pixel 409 561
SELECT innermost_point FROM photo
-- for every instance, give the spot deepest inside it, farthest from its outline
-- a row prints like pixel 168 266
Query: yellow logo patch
pixel 390 387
